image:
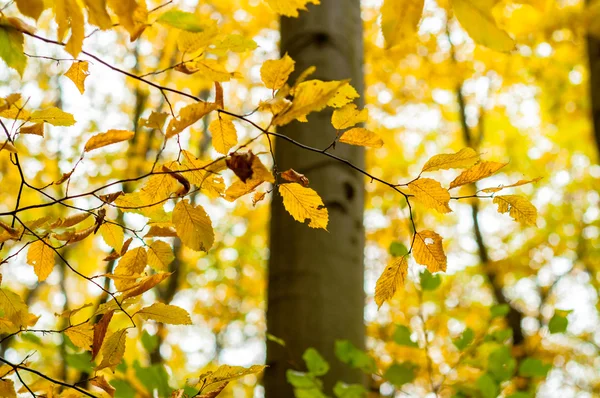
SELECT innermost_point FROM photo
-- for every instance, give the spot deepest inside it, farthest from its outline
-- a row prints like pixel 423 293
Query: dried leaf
pixel 293 176
pixel 100 330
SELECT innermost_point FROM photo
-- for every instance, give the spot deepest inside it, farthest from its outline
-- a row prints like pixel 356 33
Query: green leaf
pixel 499 310
pixel 181 20
pixel 343 390
pixel 149 341
pixel 400 373
pixel 402 337
pixel 31 338
pixel 316 364
pixel 11 48
pixel 520 394
pixel 488 386
pixel 82 362
pixel 350 355
pixel 499 336
pixel 302 379
pixel 398 249
pixel 532 367
pixel 123 388
pixel 154 378
pixel 501 364
pixel 465 339
pixel 430 281
pixel 275 339
pixel 558 323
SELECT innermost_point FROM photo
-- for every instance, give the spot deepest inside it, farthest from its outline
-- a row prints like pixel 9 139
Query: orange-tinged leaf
pixel 160 255
pixel 293 176
pixel 224 136
pixel 188 116
pixel 309 96
pixel 113 235
pixel 78 72
pixel 34 129
pixel 70 17
pixel 240 188
pixel 41 256
pixel 156 120
pixel 204 174
pixel 289 8
pixel 362 137
pixel 516 184
pixel 113 350
pixel 193 226
pixel 7 389
pixel 145 284
pixel 165 313
pixel 54 116
pixel 100 330
pixel 160 231
pixel 81 336
pixel 304 203
pixel 7 146
pixel 258 196
pixel 132 14
pixel 31 8
pixel 464 158
pixel 108 138
pixel 275 72
pixel 479 171
pixel 348 116
pixel 428 251
pixel 475 16
pixel 400 20
pixel 392 277
pixel 100 382
pixel 431 193
pixel 519 208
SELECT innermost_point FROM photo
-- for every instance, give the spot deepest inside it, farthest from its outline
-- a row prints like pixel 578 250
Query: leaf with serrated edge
pixel 464 158
pixel 108 138
pixel 392 277
pixel 41 256
pixel 224 136
pixel 78 72
pixel 480 171
pixel 54 116
pixel 113 350
pixel 275 73
pixel 81 336
pixel 519 208
pixel 361 137
pixel 348 116
pixel 431 194
pixel 427 250
pixel 113 235
pixel 304 203
pixel 193 226
pixel 160 255
pixel 165 313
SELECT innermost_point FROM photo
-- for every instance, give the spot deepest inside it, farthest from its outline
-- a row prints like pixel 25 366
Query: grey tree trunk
pixel 316 292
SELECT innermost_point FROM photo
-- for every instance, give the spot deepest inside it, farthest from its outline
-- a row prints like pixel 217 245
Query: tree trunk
pixel 594 63
pixel 316 292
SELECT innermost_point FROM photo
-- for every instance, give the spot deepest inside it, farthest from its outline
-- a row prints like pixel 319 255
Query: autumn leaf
pixel 431 193
pixel 113 350
pixel 103 384
pixel 392 277
pixel 361 137
pixel 156 120
pixel 293 176
pixel 100 330
pixel 132 14
pixel 97 14
pixel 69 17
pixel 188 116
pixel 14 308
pixel 11 48
pixel 475 16
pixel 145 284
pixel 160 255
pixel 108 138
pixel 479 171
pixel 81 336
pixel 54 116
pixel 289 8
pixel 516 184
pixel 34 129
pixel 113 235
pixel 224 136
pixel 218 380
pixel 41 256
pixel 519 208
pixel 204 174
pixel 275 73
pixel 193 226
pixel 464 158
pixel 181 20
pixel 400 20
pixel 343 95
pixel 31 8
pixel 304 204
pixel 7 389
pixel 78 72
pixel 348 116
pixel 428 251
pixel 133 262
pixel 164 313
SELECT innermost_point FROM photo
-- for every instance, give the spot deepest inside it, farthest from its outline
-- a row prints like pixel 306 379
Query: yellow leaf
pixel 164 313
pixel 160 255
pixel 108 138
pixel 188 116
pixel 475 16
pixel 145 284
pixel 204 174
pixel 113 350
pixel 14 308
pixel 240 188
pixel 78 72
pixel 131 264
pixel 516 184
pixel 31 8
pixel 35 129
pixel 304 203
pixel 347 116
pixel 427 250
pixel 81 336
pixel 97 14
pixel 479 171
pixel 519 208
pixel 101 383
pixel 400 20
pixel 290 8
pixel 113 235
pixel 224 136
pixel 275 73
pixel 235 43
pixel 213 70
pixel 345 94
pixel 69 17
pixel 158 188
pixel 362 137
pixel 132 14
pixel 309 96
pixel 41 257
pixel 190 42
pixel 464 158
pixel 7 389
pixel 389 281
pixel 193 226
pixel 54 116
pixel 431 194
pixel 7 146
pixel 156 120
pixel 217 380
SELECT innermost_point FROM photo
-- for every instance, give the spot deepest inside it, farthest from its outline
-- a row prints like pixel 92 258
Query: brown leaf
pixel 241 164
pixel 293 176
pixel 185 184
pixel 100 329
pixel 100 382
